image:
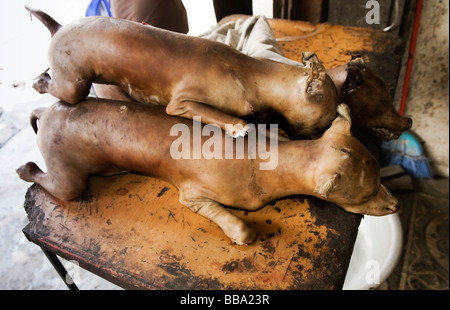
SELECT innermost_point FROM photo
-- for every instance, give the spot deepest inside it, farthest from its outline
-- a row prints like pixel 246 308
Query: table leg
pixel 60 269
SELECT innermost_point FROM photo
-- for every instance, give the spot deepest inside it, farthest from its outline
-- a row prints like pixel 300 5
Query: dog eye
pixel 370 196
pixel 346 151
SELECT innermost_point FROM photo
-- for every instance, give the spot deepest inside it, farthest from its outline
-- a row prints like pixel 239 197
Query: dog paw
pixel 41 85
pixel 28 171
pixel 237 131
pixel 243 235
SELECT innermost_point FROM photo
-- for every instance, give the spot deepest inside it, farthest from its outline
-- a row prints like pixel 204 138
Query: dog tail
pixel 34 117
pixel 48 21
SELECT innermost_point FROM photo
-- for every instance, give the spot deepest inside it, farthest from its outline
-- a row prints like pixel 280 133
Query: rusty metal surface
pixel 132 230
pixel 335 44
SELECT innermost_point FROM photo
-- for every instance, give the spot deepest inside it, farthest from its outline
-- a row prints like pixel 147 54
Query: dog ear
pixel 342 124
pixel 344 111
pixel 357 58
pixel 326 184
pixel 354 78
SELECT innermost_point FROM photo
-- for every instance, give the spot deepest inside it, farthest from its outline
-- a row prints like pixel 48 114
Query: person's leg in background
pixel 166 14
pixel 229 7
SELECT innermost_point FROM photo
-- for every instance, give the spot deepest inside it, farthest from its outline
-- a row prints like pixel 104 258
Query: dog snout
pixel 394 206
pixel 407 123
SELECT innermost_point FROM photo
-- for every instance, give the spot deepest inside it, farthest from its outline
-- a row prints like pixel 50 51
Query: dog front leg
pixel 234 227
pixel 233 126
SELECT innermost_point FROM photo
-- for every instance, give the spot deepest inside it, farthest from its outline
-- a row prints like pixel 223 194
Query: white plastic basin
pixel 376 252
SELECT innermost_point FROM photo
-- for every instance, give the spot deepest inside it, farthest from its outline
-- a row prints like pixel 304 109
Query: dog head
pixel 349 175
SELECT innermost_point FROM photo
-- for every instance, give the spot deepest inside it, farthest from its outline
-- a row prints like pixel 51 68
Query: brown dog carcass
pixel 191 76
pixel 368 97
pixel 103 137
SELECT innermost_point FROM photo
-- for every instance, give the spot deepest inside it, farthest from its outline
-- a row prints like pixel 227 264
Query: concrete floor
pixel 424 214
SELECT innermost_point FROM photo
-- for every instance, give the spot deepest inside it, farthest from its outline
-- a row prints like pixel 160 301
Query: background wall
pixel 428 97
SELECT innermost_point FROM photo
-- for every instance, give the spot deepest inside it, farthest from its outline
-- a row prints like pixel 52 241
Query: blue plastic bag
pixel 99 8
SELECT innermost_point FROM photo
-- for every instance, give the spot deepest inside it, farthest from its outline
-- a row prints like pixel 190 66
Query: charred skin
pixel 104 137
pixel 369 99
pixel 188 75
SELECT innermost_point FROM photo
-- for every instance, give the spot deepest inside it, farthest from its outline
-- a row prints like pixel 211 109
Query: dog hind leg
pixel 62 88
pixel 65 185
